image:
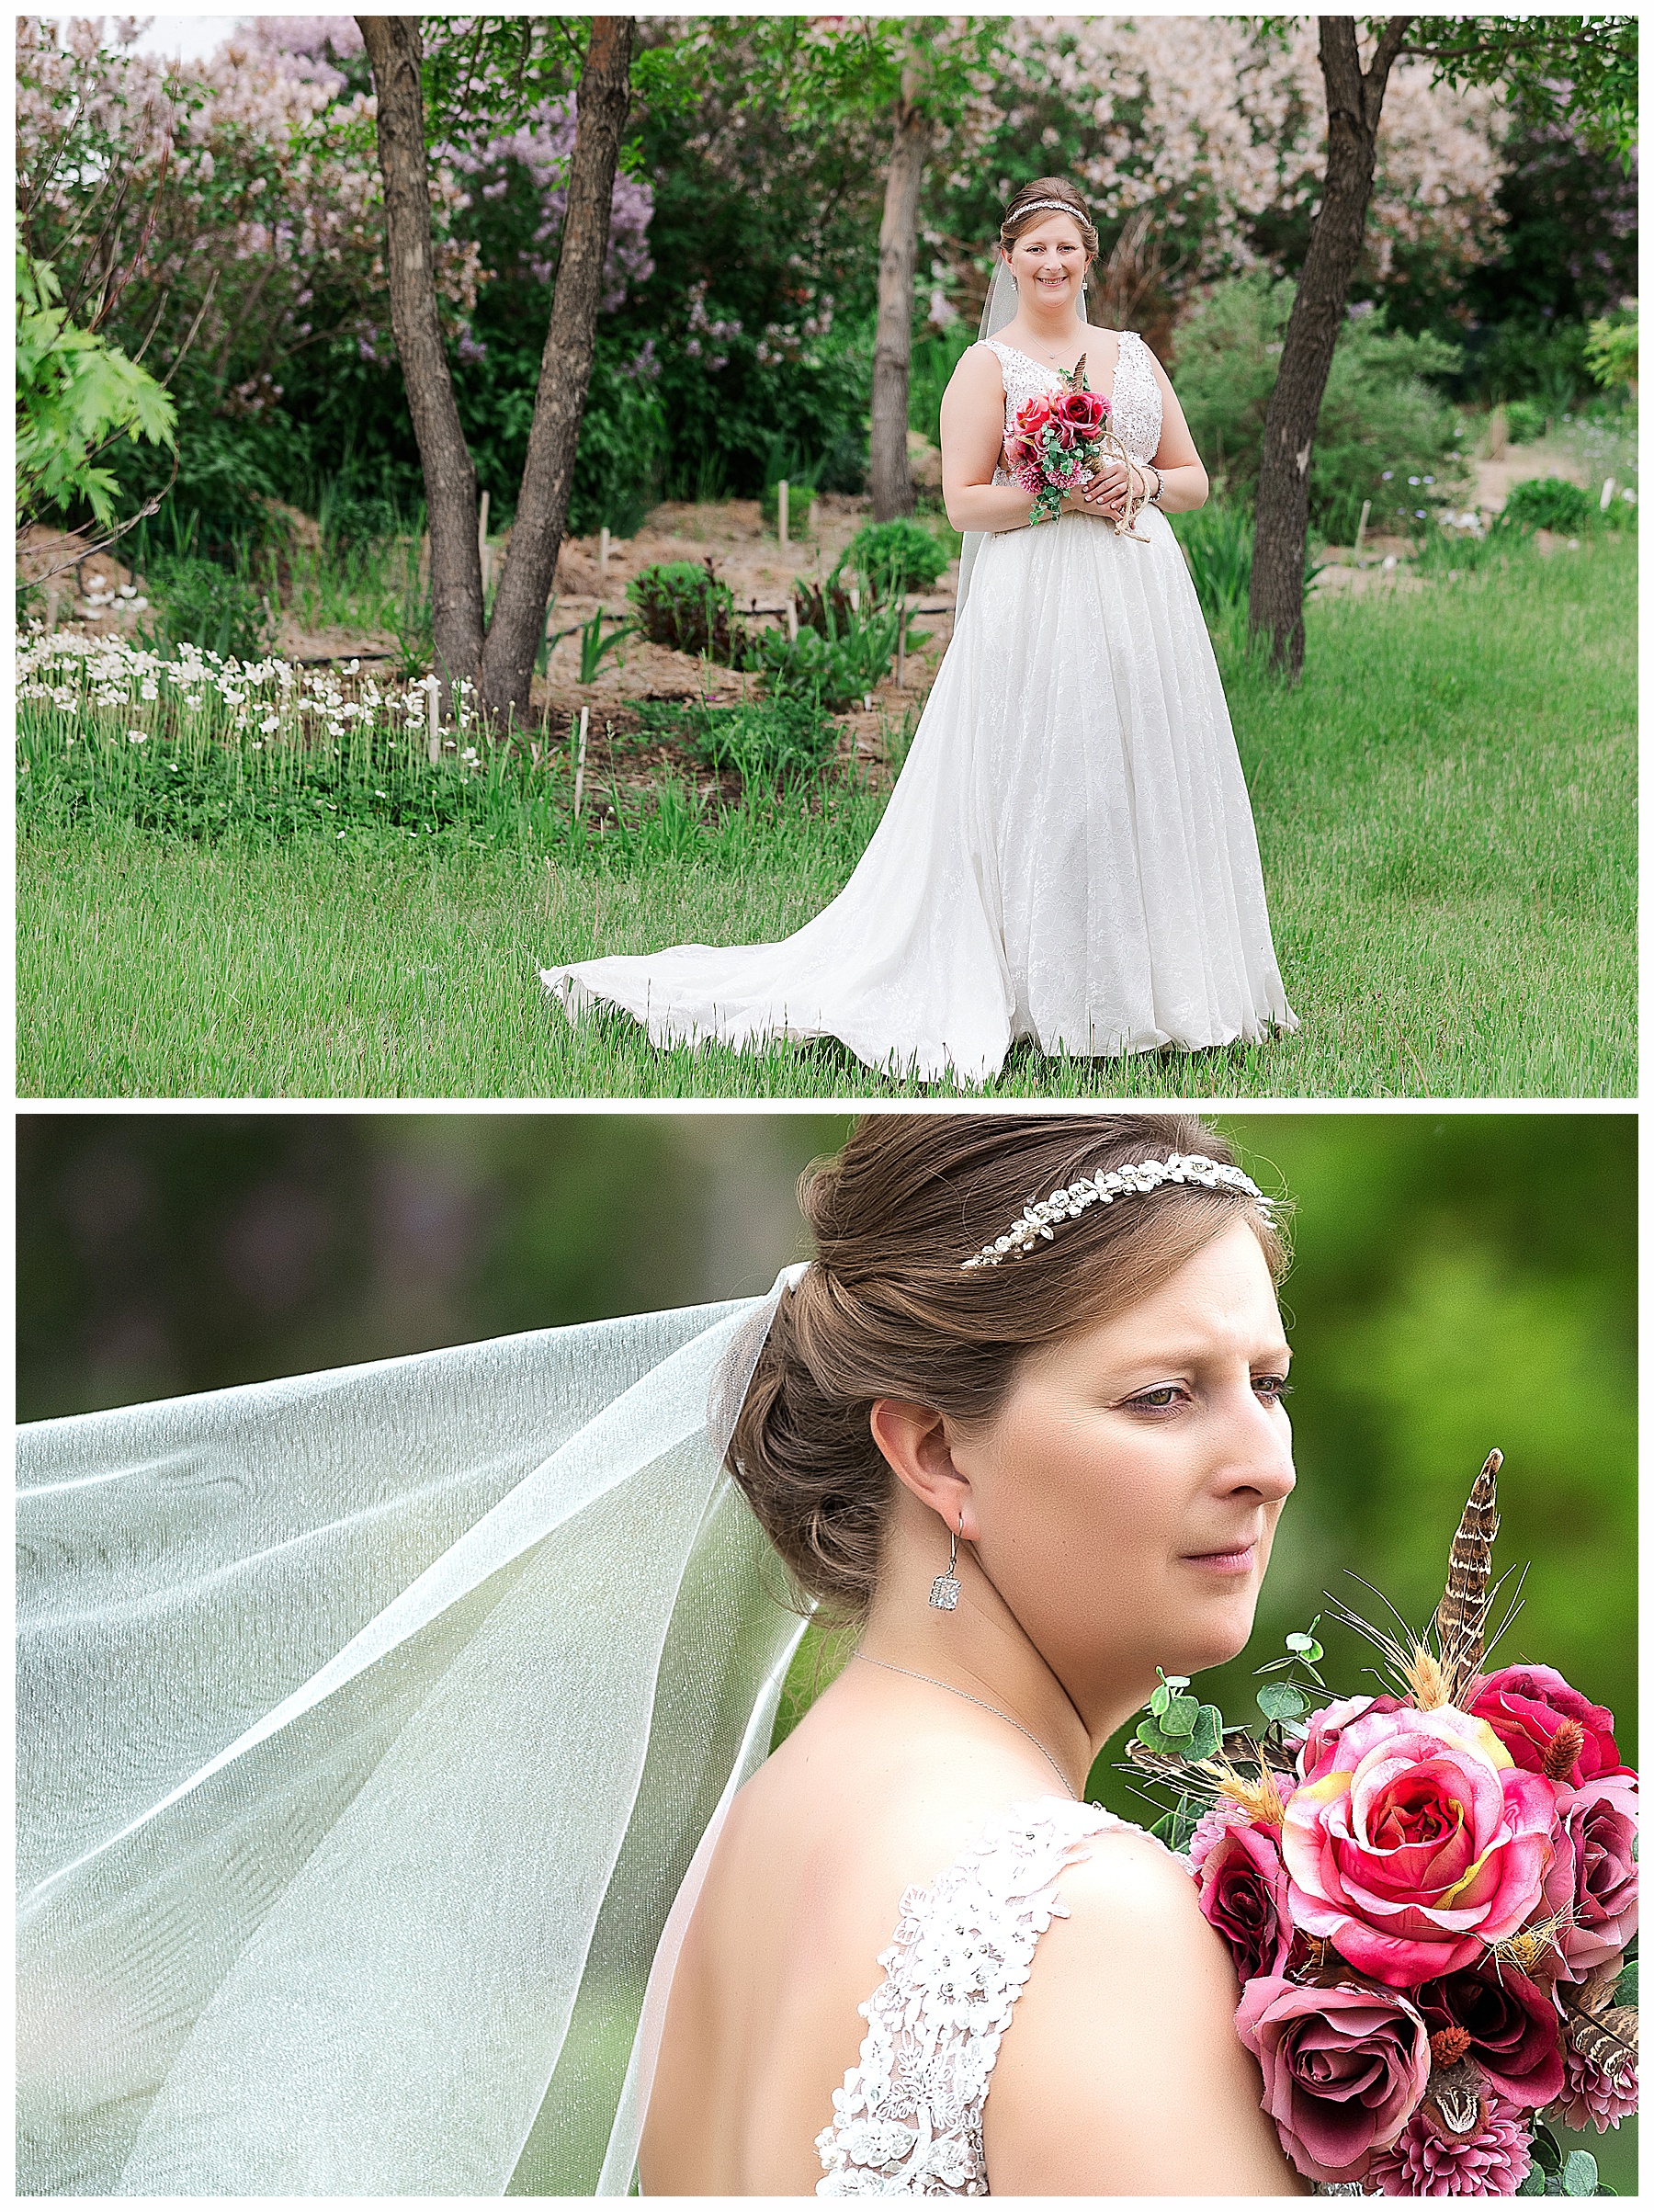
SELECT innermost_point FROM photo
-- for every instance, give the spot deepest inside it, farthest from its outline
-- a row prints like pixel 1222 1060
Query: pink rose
pixel 1324 1729
pixel 1415 1841
pixel 1594 1876
pixel 1525 1708
pixel 1342 2069
pixel 1243 1894
pixel 1033 416
pixel 1513 2025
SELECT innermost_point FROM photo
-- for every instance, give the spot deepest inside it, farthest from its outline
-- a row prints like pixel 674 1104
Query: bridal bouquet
pixel 1430 1898
pixel 1056 441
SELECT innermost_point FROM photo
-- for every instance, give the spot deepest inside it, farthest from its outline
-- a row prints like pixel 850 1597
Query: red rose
pixel 1083 411
pixel 1513 2025
pixel 1342 2070
pixel 1525 1707
pixel 1243 1894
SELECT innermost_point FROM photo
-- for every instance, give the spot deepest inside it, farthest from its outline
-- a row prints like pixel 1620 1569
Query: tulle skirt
pixel 1068 854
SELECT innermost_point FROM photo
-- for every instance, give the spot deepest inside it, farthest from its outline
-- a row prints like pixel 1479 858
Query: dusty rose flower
pixel 1343 2069
pixel 1414 1840
pixel 1425 2163
pixel 1594 1874
pixel 1525 1707
pixel 1243 1894
pixel 1591 2098
pixel 1513 2032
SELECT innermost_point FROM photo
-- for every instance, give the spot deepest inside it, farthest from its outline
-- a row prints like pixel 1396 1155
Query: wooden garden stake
pixel 901 641
pixel 483 540
pixel 1366 508
pixel 434 733
pixel 603 546
pixel 792 623
pixel 585 713
pixel 781 509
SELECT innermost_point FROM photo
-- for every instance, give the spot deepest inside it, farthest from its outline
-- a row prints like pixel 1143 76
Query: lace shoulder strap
pixel 908 2120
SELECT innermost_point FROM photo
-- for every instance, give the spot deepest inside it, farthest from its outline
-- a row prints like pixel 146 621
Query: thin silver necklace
pixel 1017 1725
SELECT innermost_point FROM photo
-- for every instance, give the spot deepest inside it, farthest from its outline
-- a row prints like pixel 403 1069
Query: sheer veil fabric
pixel 998 309
pixel 368 1725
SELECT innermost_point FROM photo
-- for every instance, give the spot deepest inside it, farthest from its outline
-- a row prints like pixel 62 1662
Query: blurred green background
pixel 1460 1281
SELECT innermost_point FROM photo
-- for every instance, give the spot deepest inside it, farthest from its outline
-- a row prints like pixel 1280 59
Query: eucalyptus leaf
pixel 1533 2180
pixel 1625 1989
pixel 1159 1701
pixel 1299 1642
pixel 1180 1716
pixel 1578 2174
pixel 1281 1701
pixel 1149 1736
pixel 1209 1734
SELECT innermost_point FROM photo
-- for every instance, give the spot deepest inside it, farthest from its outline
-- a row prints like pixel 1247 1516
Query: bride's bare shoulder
pixel 1131 1989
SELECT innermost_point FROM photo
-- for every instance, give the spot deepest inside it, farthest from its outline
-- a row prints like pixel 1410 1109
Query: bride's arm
pixel 973 430
pixel 1183 479
pixel 1121 2074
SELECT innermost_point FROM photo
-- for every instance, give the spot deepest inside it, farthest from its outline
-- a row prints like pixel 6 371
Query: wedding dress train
pixel 1068 854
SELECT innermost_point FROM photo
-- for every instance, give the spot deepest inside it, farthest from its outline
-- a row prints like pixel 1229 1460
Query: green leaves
pixel 1282 1701
pixel 76 394
pixel 1179 1726
pixel 1578 2174
pixel 1625 1989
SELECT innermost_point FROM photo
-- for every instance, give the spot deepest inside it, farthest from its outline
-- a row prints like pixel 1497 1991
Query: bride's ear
pixel 913 1443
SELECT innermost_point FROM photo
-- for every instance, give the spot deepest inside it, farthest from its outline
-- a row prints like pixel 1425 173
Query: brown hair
pixel 1020 213
pixel 889 1312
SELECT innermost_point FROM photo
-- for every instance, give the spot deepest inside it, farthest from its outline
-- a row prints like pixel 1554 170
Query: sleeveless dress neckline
pixel 907 2121
pixel 1033 358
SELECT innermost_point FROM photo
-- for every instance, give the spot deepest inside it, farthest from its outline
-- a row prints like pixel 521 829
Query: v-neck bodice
pixel 1134 401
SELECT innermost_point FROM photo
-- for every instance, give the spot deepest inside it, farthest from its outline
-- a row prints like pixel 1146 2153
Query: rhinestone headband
pixel 1139 1177
pixel 1062 207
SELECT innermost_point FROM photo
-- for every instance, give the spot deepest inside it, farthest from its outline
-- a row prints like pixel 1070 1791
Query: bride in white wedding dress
pixel 1069 852
pixel 1079 1459
pixel 394 1812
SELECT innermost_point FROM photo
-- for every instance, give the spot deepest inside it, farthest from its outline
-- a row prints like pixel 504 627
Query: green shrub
pixel 764 739
pixel 900 556
pixel 822 669
pixel 1611 348
pixel 934 362
pixel 824 607
pixel 1216 540
pixel 620 462
pixel 684 603
pixel 1548 502
pixel 199 602
pixel 1381 421
pixel 1525 422
pixel 837 668
pixel 803 478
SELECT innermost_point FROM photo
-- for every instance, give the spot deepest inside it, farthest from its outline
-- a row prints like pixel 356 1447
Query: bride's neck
pixel 983 1650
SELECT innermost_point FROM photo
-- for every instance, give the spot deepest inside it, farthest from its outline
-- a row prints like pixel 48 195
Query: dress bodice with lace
pixel 907 2121
pixel 1134 403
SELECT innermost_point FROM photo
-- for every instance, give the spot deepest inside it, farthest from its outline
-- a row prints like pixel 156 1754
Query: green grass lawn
pixel 1446 808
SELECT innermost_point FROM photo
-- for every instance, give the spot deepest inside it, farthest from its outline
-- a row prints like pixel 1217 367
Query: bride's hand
pixel 1106 494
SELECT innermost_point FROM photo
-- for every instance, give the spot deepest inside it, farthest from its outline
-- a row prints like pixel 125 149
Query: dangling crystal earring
pixel 945 1589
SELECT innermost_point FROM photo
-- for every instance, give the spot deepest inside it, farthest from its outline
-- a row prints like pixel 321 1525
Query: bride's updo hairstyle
pixel 1022 213
pixel 887 1309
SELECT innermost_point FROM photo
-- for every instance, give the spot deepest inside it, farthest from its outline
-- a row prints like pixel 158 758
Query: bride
pixel 1069 852
pixel 382 1733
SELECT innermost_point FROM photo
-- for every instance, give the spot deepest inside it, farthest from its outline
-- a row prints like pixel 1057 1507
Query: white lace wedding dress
pixel 907 2121
pixel 1069 852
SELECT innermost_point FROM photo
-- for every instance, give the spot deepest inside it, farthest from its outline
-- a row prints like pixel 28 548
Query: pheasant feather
pixel 1461 1615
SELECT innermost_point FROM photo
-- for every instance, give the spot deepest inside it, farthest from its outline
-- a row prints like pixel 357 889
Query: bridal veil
pixel 367 1726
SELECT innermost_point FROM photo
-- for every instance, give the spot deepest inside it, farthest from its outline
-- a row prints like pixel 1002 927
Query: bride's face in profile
pixel 1124 1496
pixel 1049 262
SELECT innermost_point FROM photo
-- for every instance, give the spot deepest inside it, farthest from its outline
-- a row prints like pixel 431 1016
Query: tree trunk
pixel 451 480
pixel 519 611
pixel 1355 102
pixel 890 479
